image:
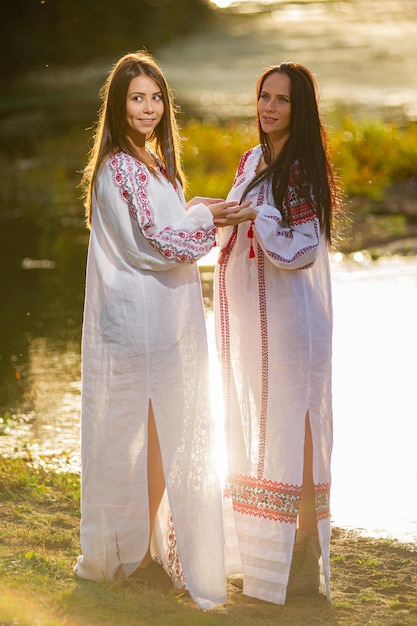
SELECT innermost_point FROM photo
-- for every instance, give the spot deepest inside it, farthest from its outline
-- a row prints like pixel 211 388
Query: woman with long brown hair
pixel 151 501
pixel 274 332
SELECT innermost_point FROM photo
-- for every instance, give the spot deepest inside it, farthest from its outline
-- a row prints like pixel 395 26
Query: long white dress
pixel 274 329
pixel 144 339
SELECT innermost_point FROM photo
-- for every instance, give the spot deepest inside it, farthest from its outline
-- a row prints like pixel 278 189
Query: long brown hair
pixel 307 143
pixel 110 134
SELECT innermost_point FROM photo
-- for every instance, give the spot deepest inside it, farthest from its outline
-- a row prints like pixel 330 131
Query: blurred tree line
pixel 64 33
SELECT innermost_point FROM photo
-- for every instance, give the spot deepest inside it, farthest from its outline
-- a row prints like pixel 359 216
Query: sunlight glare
pixel 216 398
pixel 222 4
pixel 251 5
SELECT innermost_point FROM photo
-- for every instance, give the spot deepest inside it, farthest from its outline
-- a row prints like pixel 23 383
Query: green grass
pixel 373 563
pixel 39 544
pixel 39 524
pixel 211 155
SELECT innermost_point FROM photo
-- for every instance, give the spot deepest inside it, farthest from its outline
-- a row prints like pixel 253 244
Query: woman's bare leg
pixel 156 480
pixel 307 518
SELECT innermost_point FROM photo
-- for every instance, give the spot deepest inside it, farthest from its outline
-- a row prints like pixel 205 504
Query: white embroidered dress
pixel 144 339
pixel 274 329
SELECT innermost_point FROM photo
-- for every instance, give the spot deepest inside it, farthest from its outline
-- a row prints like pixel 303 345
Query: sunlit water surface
pixel 362 51
pixel 375 401
pixel 374 464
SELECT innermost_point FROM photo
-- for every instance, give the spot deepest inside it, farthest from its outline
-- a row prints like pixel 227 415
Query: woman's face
pixel 144 108
pixel 274 106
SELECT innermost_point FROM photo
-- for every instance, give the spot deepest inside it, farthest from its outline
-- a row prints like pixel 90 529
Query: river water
pixel 375 402
pixel 364 53
pixel 374 465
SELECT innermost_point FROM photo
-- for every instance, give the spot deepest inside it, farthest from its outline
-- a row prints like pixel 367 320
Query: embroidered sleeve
pixel 188 239
pixel 294 246
pixel 299 202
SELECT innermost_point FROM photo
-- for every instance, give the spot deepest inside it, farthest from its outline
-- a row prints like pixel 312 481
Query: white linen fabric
pixel 144 340
pixel 273 330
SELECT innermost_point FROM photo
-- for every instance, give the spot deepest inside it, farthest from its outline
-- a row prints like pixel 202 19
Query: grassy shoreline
pixel 374 581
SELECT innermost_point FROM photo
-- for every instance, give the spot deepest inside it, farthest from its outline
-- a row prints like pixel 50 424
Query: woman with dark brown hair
pixel 274 333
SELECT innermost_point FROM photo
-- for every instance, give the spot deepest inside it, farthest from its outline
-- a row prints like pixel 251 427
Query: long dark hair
pixel 307 143
pixel 110 136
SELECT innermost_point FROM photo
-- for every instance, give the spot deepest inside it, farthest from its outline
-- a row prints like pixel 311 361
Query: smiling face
pixel 274 106
pixel 144 108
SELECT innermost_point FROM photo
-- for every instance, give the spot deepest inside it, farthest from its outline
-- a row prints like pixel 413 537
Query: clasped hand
pixel 227 213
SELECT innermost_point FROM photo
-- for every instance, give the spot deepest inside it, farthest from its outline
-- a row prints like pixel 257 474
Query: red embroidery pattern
pixel 241 168
pixel 261 195
pixel 132 179
pixel 322 500
pixel 264 362
pixel 227 247
pixel 288 235
pixel 272 500
pixel 299 203
pixel 264 498
pixel 256 496
pixel 224 329
pixel 173 559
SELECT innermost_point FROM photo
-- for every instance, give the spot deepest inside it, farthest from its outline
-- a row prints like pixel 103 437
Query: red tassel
pixel 250 235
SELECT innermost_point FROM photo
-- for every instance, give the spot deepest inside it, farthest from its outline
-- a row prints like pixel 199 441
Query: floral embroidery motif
pixel 273 500
pixel 173 559
pixel 132 179
pixel 264 498
pixel 322 500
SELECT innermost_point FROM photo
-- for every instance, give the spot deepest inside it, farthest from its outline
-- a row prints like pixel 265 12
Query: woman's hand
pixel 232 213
pixel 202 200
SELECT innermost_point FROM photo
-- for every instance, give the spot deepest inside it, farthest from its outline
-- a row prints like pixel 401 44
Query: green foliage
pixel 211 155
pixel 371 155
pixel 368 156
pixel 40 192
